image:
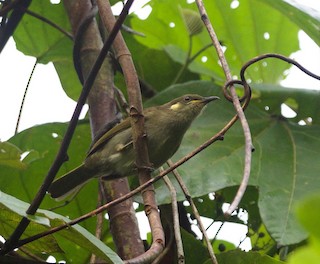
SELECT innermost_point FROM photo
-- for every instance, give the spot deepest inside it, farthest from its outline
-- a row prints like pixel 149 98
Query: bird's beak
pixel 209 99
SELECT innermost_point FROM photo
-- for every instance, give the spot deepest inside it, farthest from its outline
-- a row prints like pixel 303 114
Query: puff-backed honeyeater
pixel 113 156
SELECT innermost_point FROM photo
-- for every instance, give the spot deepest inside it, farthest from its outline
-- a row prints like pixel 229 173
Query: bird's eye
pixel 187 98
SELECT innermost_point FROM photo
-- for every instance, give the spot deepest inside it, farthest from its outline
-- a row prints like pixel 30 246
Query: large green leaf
pixel 286 174
pixel 38 39
pixel 250 29
pixel 307 18
pixel 12 208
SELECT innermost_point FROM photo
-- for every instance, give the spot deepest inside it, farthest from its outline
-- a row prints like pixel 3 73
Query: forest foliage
pixel 175 59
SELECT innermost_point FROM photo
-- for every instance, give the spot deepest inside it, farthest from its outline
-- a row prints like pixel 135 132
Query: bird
pixel 112 155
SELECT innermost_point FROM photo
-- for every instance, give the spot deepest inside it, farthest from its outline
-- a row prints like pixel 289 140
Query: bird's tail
pixel 70 183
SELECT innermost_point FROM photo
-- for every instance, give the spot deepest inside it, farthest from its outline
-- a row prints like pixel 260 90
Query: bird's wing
pixel 125 124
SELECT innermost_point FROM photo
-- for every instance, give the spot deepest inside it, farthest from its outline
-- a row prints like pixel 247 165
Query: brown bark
pixel 139 136
pixel 123 223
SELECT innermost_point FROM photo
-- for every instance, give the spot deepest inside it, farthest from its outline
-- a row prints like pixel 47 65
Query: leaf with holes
pixel 307 18
pixel 10 156
pixel 245 31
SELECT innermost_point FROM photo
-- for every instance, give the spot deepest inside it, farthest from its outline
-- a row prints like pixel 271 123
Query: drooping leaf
pixel 9 220
pixel 44 220
pixel 39 39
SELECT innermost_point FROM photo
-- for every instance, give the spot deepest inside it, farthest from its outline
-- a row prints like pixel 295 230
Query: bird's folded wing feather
pixel 125 124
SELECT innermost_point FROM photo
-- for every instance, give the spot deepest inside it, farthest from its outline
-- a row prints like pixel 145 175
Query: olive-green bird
pixel 112 155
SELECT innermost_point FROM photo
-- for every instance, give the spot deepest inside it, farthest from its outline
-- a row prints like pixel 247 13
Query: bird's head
pixel 189 106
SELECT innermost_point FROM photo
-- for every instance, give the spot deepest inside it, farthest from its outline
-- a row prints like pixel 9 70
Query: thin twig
pixel 100 217
pixel 191 59
pixel 238 108
pixel 175 216
pixel 186 63
pixel 277 56
pixel 219 229
pixel 195 211
pixel 24 98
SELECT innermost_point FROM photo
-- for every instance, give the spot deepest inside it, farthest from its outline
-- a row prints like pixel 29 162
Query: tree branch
pixel 237 106
pixel 195 211
pixel 175 216
pixel 138 134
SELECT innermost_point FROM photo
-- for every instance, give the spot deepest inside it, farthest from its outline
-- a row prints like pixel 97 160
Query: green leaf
pixel 308 255
pixel 12 210
pixel 249 30
pixel 286 176
pixel 262 241
pixel 10 156
pixel 303 101
pixel 80 237
pixel 308 212
pixel 179 55
pixel 307 18
pixel 241 257
pixel 38 39
pixel 19 207
pixel 222 246
pixel 191 246
pixel 45 140
pixel 163 70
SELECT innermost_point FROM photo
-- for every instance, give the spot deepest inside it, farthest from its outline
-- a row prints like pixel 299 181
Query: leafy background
pixel 286 158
